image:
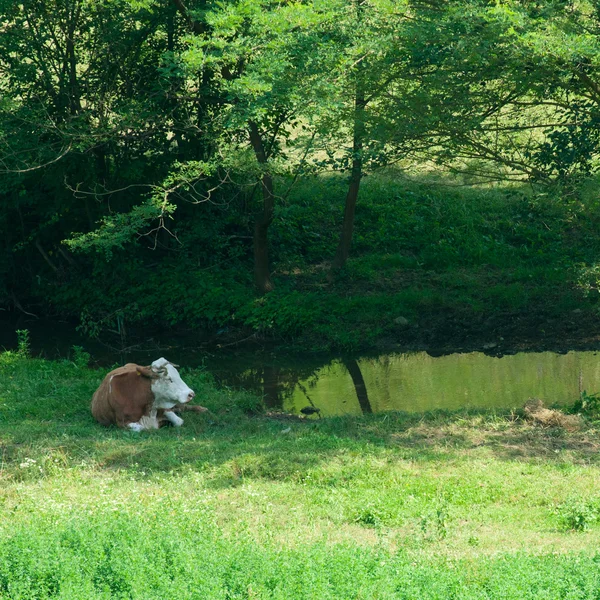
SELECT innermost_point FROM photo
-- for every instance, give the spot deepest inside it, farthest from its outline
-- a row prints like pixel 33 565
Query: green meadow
pixel 240 503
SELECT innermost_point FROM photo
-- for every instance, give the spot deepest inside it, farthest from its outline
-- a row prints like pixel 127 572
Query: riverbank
pixel 434 266
pixel 232 505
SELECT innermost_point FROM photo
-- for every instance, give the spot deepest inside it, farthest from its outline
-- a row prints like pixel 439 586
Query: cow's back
pixel 102 409
pixel 124 396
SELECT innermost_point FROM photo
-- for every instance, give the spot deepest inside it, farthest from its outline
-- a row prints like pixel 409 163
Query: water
pixel 412 382
pixel 417 382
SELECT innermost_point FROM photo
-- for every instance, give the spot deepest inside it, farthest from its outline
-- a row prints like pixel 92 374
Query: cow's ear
pixel 146 372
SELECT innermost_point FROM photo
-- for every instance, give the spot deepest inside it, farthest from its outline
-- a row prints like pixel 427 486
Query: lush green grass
pixel 235 506
pixel 431 253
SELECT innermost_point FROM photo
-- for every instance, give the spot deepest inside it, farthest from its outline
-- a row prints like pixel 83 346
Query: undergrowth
pixel 420 251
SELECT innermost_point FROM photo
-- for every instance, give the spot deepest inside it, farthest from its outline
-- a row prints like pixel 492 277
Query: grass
pixel 446 258
pixel 458 505
pixel 431 253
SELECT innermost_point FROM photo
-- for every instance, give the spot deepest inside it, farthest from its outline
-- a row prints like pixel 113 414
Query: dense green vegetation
pixel 290 169
pixel 235 506
pixel 429 254
pixel 328 174
pixel 425 253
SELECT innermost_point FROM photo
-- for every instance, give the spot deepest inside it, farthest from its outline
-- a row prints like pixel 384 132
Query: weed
pixel 577 515
pixel 371 515
pixel 23 343
pixel 587 403
pixel 81 358
pixel 433 524
pixel 248 403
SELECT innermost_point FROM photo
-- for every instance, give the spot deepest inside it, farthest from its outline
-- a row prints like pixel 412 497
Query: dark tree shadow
pixel 359 385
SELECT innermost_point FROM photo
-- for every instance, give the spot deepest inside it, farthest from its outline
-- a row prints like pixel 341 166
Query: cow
pixel 140 398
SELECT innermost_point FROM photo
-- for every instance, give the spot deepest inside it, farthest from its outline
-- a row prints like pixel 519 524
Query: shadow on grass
pixel 517 440
pixel 241 448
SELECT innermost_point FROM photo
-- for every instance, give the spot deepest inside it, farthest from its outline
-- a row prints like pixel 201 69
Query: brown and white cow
pixel 140 398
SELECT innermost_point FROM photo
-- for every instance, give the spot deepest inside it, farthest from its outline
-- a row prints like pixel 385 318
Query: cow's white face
pixel 168 387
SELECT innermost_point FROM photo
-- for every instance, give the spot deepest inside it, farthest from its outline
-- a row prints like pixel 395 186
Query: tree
pixel 508 88
pixel 369 48
pixel 81 86
pixel 364 60
pixel 263 57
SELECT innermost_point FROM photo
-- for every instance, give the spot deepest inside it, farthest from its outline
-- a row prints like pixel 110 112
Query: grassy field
pixel 267 506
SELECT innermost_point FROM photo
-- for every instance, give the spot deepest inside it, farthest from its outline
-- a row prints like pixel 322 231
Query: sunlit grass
pixel 236 506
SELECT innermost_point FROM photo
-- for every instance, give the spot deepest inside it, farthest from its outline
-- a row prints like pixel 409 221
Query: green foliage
pixel 129 177
pixel 118 231
pixel 81 358
pixel 111 561
pixel 487 250
pixel 434 523
pixel 371 515
pixel 249 403
pixel 23 343
pixel 587 403
pixel 577 515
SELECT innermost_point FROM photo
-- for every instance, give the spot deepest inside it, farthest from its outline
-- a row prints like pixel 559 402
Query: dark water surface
pixel 335 385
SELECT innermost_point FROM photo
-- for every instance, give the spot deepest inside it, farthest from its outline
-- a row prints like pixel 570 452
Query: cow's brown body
pixel 124 396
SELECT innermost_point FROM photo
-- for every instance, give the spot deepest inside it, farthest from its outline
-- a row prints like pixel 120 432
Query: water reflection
pixel 419 382
pixel 412 382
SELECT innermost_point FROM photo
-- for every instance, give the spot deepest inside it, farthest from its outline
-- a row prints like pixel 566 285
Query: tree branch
pixel 196 26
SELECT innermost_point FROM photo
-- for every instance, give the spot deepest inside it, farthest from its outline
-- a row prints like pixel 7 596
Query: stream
pixel 416 382
pixel 323 386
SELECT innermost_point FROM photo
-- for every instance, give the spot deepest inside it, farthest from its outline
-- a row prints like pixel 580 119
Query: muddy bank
pixel 500 333
pixel 438 334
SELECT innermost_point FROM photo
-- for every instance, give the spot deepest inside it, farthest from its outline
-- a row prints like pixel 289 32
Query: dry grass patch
pixel 536 412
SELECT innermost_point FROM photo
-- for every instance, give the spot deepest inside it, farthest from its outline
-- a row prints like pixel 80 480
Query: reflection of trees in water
pixel 410 382
pixel 359 385
pixel 275 383
pixel 271 386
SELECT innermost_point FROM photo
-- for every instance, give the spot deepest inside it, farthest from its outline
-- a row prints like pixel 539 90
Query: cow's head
pixel 167 386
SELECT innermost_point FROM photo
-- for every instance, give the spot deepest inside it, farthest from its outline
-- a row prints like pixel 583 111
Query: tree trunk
pixel 262 274
pixel 343 249
pixel 271 387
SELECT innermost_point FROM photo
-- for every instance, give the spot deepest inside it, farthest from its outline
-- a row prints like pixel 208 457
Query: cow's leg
pixel 146 422
pixel 173 418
